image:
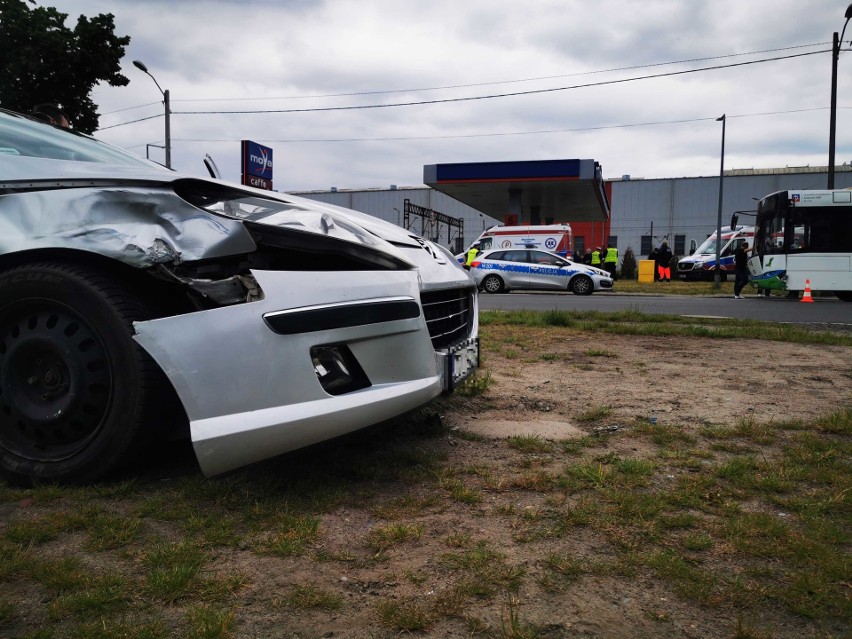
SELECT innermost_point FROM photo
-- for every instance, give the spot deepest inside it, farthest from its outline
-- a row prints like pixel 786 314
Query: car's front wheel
pixel 582 285
pixel 75 389
pixel 492 284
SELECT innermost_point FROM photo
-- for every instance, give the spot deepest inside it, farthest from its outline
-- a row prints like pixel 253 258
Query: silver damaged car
pixel 133 298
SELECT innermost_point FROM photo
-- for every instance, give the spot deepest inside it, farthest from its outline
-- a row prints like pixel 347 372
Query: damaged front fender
pixel 140 227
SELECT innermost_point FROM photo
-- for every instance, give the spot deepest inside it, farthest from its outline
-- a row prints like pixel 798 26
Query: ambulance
pixel 555 238
pixel 701 264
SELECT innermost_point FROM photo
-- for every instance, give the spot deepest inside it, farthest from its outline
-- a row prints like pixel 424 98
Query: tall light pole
pixel 717 278
pixel 141 66
pixel 832 126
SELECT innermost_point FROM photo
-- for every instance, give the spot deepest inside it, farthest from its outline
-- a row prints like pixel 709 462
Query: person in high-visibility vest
pixel 610 260
pixel 596 257
pixel 472 252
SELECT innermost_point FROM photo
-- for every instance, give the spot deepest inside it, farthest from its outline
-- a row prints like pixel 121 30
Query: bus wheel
pixel 846 296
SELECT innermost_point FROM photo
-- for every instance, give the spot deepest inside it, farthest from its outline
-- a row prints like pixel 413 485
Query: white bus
pixel 804 235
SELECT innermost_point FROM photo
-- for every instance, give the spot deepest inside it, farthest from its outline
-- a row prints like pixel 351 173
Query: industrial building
pixel 642 212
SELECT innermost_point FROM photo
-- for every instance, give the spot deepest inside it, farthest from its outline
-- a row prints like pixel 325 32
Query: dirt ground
pixel 687 382
pixel 470 490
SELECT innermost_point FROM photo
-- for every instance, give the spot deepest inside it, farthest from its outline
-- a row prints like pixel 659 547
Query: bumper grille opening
pixel 448 315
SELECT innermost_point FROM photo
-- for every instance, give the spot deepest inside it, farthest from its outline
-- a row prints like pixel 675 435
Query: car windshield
pixel 709 246
pixel 25 137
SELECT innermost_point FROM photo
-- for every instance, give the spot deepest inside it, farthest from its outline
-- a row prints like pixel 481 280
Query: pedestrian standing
pixel 596 257
pixel 664 262
pixel 610 260
pixel 472 252
pixel 587 257
pixel 741 266
pixel 653 257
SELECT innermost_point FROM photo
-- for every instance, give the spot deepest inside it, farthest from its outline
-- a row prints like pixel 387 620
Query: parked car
pixel 503 270
pixel 132 296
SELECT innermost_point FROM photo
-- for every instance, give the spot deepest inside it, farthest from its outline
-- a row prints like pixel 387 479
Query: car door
pixel 516 269
pixel 546 271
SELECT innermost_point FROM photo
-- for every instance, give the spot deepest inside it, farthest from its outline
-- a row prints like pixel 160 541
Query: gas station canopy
pixel 529 192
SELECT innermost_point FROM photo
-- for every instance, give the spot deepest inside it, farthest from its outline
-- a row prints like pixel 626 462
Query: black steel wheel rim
pixel 56 380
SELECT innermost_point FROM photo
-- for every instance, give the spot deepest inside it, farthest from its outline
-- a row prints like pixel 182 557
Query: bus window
pixel 798 240
pixel 770 234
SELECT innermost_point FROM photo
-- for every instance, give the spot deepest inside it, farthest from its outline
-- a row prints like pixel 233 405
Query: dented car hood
pixel 134 214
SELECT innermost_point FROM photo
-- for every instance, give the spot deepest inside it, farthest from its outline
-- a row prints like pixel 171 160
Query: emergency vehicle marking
pixel 521 267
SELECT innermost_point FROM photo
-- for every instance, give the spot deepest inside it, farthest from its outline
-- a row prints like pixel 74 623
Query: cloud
pixel 240 52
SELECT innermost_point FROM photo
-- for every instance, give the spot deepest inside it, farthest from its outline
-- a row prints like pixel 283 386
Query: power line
pixel 481 97
pixel 496 82
pixel 150 117
pixel 508 133
pixel 138 106
pixel 497 95
pixel 473 84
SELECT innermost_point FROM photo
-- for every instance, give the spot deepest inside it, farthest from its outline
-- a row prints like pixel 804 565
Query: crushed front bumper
pixel 251 393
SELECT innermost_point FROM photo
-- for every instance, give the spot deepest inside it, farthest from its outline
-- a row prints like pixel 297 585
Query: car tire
pixel 492 284
pixel 77 394
pixel 582 285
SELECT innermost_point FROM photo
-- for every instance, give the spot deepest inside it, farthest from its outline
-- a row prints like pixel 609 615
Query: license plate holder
pixel 460 361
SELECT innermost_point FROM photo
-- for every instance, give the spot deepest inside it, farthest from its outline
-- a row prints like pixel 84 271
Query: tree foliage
pixel 628 264
pixel 43 61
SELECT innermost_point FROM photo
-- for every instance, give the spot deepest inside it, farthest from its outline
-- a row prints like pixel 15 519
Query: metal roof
pixel 565 190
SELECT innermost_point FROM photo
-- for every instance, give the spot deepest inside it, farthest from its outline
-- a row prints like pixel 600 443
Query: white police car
pixel 507 269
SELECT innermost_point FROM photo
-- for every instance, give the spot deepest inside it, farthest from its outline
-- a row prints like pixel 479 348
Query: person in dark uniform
pixel 664 262
pixel 741 269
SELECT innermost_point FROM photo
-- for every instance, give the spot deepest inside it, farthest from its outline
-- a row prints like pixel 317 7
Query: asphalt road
pixel 774 309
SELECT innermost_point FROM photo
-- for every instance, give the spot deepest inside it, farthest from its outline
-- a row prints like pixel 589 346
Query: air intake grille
pixel 448 315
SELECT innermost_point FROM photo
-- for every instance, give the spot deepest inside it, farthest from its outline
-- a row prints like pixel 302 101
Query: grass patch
pixel 173 571
pixel 532 444
pixel 404 616
pixel 740 517
pixel 476 384
pixel 383 537
pixel 311 597
pixel 633 322
pixel 292 535
pixel 483 572
pixel 594 414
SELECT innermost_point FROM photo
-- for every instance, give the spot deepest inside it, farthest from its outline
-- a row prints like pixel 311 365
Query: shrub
pixel 628 265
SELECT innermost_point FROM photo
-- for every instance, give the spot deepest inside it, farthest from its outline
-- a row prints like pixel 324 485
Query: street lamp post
pixel 141 66
pixel 832 125
pixel 717 278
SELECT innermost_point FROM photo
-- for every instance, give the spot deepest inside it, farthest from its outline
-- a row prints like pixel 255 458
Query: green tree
pixel 628 264
pixel 43 61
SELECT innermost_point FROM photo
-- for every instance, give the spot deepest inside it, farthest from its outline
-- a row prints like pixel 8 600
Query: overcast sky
pixel 238 55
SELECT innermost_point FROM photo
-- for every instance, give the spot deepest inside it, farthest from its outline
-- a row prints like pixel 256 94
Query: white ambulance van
pixel 701 264
pixel 555 238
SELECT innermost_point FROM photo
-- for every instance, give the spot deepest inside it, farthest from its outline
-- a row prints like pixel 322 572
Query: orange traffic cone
pixel 806 297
